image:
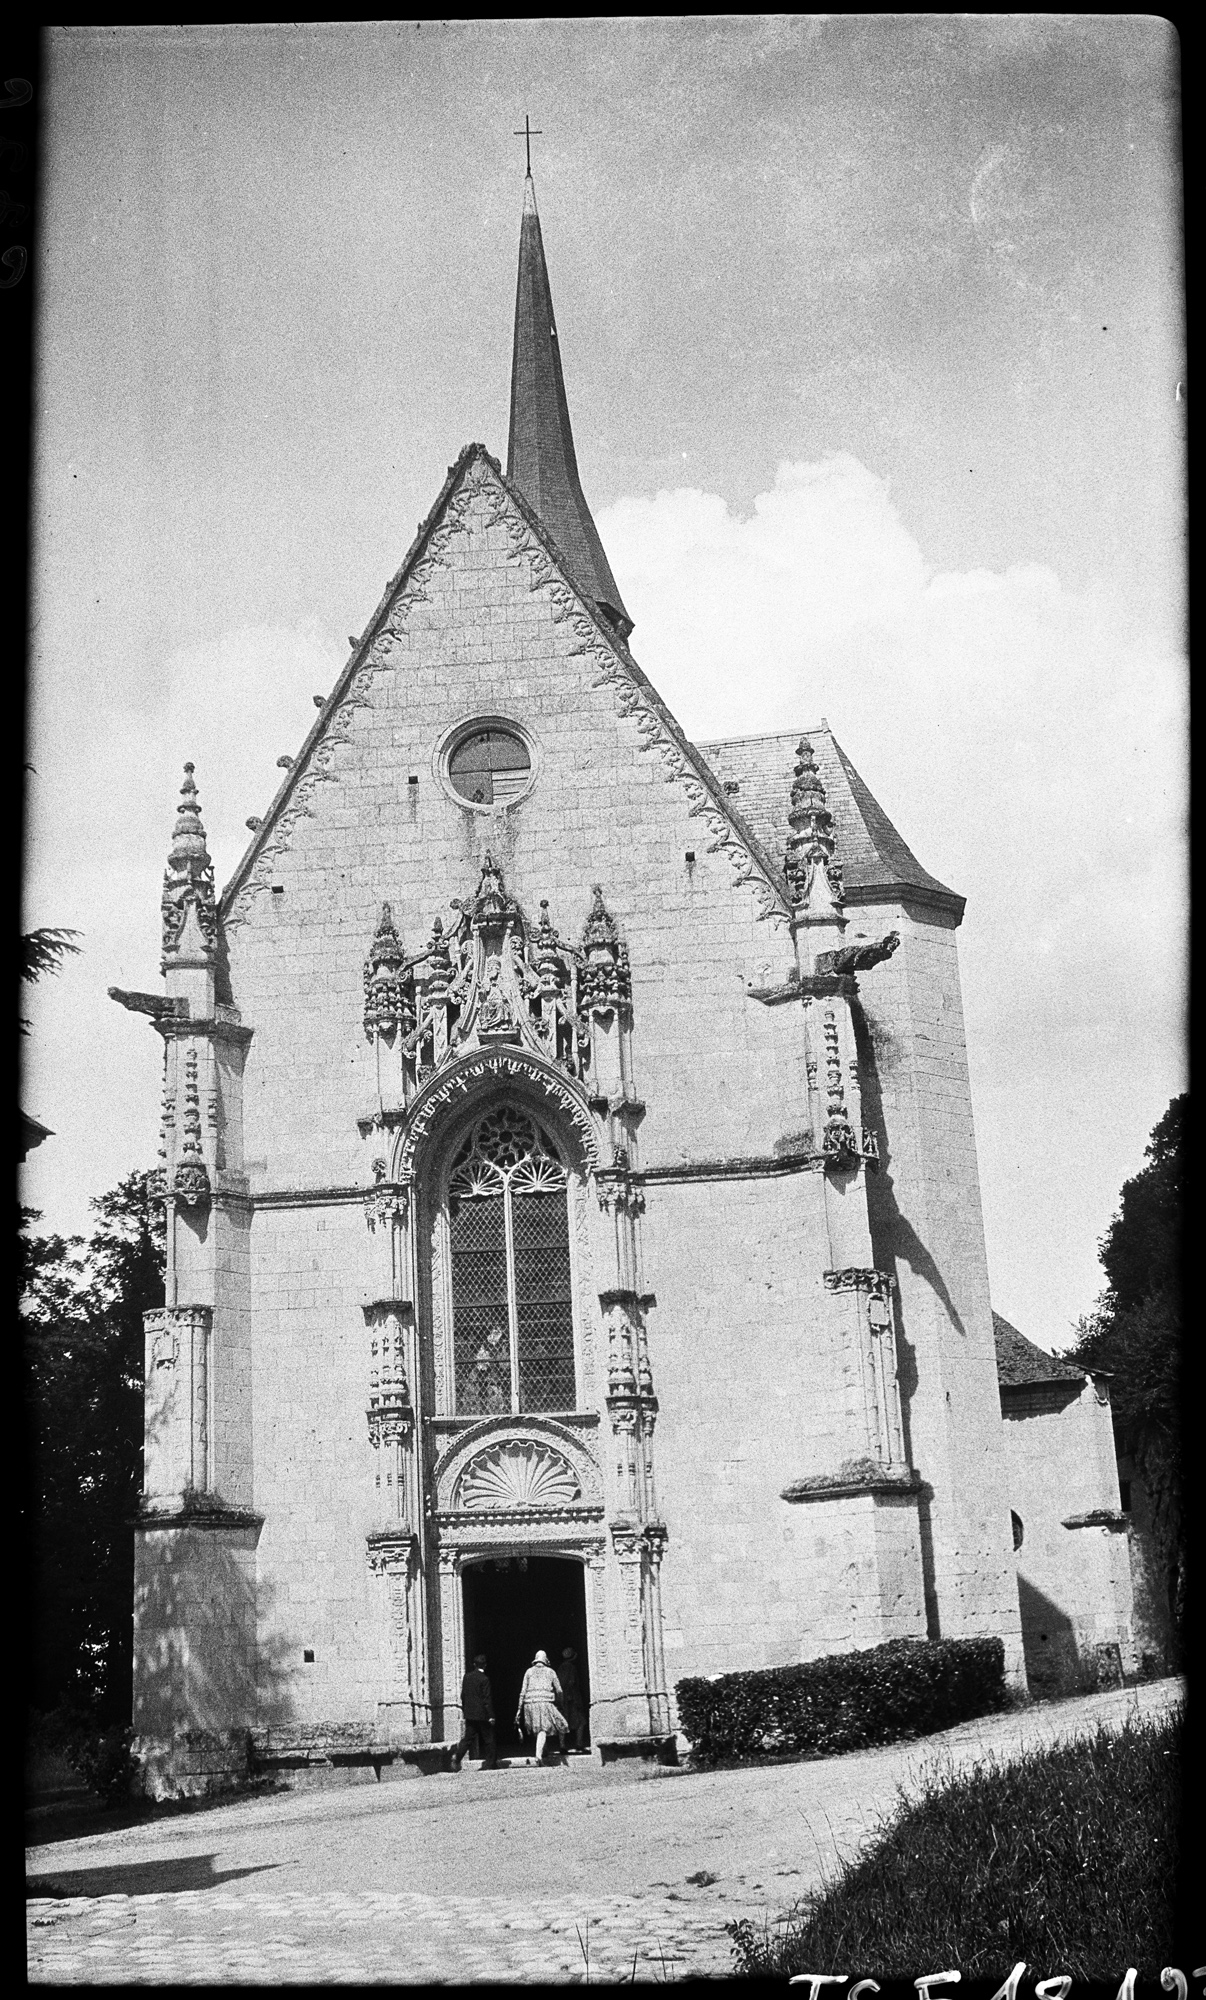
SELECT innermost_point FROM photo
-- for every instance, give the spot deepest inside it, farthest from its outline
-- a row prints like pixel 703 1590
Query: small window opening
pixel 489 767
pixel 308 1656
pixel 1124 1495
pixel 1018 1530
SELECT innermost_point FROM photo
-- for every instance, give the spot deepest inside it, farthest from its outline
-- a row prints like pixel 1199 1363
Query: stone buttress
pixel 195 1539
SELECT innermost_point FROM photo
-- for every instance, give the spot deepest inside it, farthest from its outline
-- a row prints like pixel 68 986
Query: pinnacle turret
pixel 814 876
pixel 541 459
pixel 188 881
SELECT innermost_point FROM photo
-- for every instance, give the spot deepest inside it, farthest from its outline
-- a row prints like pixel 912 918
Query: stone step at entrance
pixel 518 1763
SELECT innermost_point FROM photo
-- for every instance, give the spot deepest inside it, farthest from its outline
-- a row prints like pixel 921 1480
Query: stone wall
pixel 927 1228
pixel 754 1392
pixel 1073 1567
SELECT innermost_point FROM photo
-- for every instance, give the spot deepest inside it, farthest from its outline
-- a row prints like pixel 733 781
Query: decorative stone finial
pixel 440 969
pixel 547 955
pixel 385 1003
pixel 606 981
pixel 814 876
pixel 188 881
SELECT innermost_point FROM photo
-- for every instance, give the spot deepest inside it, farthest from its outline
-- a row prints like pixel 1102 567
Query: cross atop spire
pixel 527 134
pixel 541 459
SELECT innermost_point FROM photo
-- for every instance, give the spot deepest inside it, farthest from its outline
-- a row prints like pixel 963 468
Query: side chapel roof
pixel 875 860
pixel 1020 1363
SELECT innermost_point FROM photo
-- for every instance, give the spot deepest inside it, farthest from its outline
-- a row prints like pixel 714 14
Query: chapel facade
pixel 574 1232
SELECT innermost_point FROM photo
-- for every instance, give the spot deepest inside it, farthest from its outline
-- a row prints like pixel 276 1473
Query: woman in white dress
pixel 538 1711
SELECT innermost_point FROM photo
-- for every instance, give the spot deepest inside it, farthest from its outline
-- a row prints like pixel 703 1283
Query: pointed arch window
pixel 513 1328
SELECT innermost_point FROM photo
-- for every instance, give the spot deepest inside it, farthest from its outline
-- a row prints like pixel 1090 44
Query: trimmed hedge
pixel 845 1701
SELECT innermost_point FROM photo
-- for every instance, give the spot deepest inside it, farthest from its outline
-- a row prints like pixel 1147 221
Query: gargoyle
pixel 157 1005
pixel 858 957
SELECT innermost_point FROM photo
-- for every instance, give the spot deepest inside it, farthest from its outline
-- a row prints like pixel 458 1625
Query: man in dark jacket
pixel 477 1708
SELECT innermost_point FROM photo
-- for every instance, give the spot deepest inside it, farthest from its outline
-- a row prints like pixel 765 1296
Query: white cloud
pixel 1029 749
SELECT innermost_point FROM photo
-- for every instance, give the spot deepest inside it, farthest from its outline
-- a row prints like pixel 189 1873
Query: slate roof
pixel 541 460
pixel 875 860
pixel 1020 1363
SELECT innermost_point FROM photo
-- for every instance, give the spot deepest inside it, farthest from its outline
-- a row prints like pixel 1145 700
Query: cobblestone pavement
pixel 368 1937
pixel 571 1876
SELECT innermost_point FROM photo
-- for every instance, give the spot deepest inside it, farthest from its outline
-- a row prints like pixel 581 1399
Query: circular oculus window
pixel 489 765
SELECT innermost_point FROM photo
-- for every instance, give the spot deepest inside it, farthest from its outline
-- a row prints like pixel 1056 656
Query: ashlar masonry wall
pixel 750 1388
pixel 927 1228
pixel 1073 1562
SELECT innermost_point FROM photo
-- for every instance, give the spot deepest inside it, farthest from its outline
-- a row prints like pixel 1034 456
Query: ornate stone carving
pixel 387 1007
pixel 188 881
pixel 517 1473
pixel 606 981
pixel 190 1182
pixel 176 1458
pixel 391 1550
pixel 160 1006
pixel 489 979
pixel 619 1193
pixel 859 1278
pixel 858 957
pixel 838 1142
pixel 386 1201
pixel 814 876
pixel 390 1416
pixel 485 1067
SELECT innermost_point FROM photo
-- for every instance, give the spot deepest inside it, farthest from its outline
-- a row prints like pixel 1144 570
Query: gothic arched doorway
pixel 513 1605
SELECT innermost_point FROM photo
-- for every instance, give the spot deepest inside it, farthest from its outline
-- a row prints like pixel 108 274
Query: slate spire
pixel 540 449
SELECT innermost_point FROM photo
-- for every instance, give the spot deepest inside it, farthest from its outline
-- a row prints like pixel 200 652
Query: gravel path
pixel 513 1875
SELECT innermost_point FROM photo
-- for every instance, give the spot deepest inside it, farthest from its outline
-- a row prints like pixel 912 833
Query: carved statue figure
pixel 495 1011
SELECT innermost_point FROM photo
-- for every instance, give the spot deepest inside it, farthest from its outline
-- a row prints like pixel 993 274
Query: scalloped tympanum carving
pixel 518 1473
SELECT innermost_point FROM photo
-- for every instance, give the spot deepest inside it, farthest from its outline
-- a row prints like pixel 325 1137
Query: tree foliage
pixel 81 1309
pixel 42 952
pixel 1135 1334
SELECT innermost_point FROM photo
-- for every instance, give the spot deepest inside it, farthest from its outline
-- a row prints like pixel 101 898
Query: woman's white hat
pixel 541 1660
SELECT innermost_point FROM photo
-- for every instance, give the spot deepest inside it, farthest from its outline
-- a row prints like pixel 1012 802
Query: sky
pixel 873 337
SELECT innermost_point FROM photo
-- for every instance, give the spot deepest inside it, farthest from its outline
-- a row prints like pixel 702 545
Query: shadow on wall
pixel 891 1231
pixel 1056 1661
pixel 202 1678
pixel 892 1236
pixel 1048 1642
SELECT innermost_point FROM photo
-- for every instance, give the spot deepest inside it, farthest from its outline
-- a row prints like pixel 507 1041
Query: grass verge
pixel 1066 1859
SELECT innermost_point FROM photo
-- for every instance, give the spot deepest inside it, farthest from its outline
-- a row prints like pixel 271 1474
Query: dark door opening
pixel 513 1606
